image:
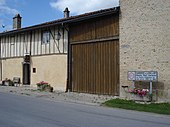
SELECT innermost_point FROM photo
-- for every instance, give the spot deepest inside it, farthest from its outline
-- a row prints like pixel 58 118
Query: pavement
pixel 25 111
pixel 82 98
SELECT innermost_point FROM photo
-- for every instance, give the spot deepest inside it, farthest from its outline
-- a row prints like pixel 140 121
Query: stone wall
pixel 145 42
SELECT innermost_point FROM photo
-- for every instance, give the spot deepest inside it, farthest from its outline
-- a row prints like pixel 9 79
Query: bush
pixel 44 86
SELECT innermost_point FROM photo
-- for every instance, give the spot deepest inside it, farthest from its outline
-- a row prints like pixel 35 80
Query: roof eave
pixel 64 21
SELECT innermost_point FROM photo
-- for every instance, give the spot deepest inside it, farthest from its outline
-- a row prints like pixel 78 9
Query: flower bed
pixel 139 94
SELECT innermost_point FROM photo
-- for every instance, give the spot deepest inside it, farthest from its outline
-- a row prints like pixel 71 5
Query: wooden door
pixel 95 67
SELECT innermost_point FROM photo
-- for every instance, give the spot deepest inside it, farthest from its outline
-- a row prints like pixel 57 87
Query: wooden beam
pixel 57 44
pixel 97 40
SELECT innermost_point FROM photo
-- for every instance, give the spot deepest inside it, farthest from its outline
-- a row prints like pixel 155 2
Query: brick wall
pixel 145 42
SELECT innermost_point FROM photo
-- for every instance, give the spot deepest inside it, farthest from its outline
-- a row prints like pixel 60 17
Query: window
pixel 45 37
pixel 34 70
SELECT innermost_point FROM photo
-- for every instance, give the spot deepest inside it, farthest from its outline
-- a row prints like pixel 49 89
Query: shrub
pixel 44 86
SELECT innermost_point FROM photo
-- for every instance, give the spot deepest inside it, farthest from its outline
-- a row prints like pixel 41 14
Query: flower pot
pixel 48 89
pixel 137 97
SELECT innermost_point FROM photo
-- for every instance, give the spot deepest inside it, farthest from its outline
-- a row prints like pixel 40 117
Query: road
pixel 23 111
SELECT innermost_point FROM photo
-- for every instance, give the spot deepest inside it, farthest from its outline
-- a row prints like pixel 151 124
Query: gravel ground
pixel 73 97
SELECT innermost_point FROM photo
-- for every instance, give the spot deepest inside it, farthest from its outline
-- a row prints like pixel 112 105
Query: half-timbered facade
pixel 36 53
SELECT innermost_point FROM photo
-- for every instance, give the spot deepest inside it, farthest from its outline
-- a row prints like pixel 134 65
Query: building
pixel 27 52
pixel 36 53
pixel 139 32
pixel 95 51
pixel 145 42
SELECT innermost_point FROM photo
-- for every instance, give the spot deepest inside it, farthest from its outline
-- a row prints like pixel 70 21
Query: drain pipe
pixel 68 85
pixel 0 61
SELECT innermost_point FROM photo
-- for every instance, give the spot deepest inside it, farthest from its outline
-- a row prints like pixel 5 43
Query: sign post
pixel 150 91
pixel 151 76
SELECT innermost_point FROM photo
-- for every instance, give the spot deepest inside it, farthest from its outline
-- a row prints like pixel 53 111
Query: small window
pixel 45 37
pixel 34 70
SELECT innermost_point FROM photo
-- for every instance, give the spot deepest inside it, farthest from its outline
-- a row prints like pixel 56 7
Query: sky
pixel 34 12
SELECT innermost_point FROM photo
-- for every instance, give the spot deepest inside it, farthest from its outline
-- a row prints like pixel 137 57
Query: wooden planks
pixel 107 26
pixel 95 55
pixel 95 67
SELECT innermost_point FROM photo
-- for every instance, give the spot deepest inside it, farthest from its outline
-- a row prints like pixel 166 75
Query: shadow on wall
pixel 160 93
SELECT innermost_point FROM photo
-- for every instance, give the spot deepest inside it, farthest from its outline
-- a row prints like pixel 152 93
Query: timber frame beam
pixel 97 40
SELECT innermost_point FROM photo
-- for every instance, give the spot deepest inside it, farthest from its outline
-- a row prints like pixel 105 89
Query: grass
pixel 160 108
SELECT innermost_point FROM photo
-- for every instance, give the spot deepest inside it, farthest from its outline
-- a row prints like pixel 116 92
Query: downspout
pixel 69 64
pixel 30 54
pixel 0 61
pixel 68 84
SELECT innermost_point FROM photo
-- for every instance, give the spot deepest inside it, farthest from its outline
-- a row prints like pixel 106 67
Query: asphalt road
pixel 23 111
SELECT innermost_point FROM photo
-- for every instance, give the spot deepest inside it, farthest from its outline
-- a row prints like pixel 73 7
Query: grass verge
pixel 160 108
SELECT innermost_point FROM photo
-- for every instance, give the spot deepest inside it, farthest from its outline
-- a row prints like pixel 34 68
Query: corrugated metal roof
pixel 66 20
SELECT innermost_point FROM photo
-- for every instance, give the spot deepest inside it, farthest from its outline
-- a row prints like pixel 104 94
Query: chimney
pixel 66 13
pixel 17 21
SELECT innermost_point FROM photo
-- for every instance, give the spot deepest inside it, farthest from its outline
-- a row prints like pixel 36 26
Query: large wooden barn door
pixel 95 67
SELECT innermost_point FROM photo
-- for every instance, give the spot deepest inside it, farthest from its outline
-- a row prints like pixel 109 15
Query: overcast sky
pixel 39 11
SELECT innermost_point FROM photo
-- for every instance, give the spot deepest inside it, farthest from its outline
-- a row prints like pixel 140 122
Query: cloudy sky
pixel 38 11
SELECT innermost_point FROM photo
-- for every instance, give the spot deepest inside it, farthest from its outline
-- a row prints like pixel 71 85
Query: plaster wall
pixel 49 68
pixel 12 68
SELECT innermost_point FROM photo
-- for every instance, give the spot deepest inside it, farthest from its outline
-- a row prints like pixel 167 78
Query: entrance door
pixel 26 73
